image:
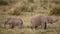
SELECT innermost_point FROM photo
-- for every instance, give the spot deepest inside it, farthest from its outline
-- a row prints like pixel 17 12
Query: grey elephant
pixel 42 21
pixel 12 22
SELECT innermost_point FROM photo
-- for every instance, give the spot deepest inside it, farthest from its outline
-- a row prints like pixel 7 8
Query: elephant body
pixel 12 22
pixel 41 21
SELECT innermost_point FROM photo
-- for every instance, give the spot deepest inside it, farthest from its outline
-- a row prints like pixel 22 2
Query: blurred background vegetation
pixel 25 9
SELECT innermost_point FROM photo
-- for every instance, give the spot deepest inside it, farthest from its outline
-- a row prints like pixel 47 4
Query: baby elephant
pixel 41 20
pixel 12 22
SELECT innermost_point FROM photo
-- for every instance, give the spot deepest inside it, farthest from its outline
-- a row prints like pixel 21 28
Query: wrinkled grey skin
pixel 12 22
pixel 41 21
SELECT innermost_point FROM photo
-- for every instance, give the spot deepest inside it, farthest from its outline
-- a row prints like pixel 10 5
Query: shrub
pixel 27 8
pixel 15 12
pixel 3 2
pixel 56 1
pixel 55 11
pixel 31 1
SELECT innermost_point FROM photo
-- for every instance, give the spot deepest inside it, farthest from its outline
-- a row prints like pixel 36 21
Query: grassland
pixel 7 10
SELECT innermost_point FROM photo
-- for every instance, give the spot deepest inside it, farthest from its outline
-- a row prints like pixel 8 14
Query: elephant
pixel 12 22
pixel 42 21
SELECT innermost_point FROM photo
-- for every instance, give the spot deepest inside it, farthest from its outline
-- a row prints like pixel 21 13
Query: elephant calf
pixel 41 20
pixel 12 22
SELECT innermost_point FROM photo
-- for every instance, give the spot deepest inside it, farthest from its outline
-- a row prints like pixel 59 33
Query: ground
pixel 26 17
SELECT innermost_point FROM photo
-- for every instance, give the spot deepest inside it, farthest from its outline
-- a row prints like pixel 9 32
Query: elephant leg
pixel 11 26
pixel 20 26
pixel 36 27
pixel 45 25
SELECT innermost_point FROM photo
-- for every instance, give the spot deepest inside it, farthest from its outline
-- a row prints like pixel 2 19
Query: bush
pixel 56 1
pixel 55 11
pixel 15 12
pixel 31 1
pixel 27 8
pixel 3 2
